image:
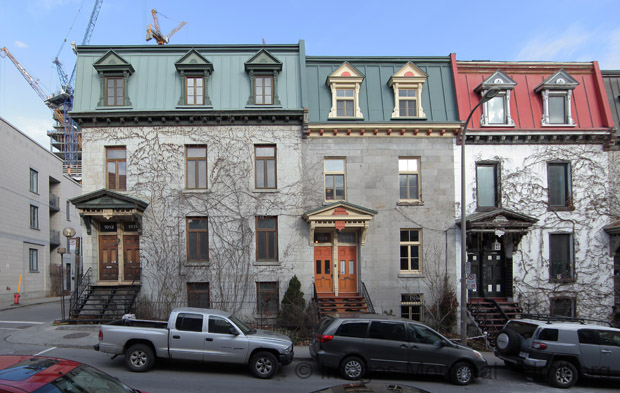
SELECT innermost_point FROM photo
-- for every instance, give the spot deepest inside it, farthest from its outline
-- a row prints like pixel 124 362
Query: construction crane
pixel 58 115
pixel 155 32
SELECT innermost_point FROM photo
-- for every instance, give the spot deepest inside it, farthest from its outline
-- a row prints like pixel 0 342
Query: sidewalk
pixel 85 336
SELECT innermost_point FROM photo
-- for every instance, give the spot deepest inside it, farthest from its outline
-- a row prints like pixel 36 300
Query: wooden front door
pixel 492 274
pixel 131 248
pixel 323 279
pixel 347 269
pixel 108 258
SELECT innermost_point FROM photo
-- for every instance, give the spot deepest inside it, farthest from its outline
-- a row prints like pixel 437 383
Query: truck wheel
pixel 139 358
pixel 562 374
pixel 264 365
pixel 352 368
pixel 507 342
pixel 462 373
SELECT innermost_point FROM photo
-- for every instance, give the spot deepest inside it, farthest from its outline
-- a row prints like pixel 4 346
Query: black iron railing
pixel 79 296
pixel 371 308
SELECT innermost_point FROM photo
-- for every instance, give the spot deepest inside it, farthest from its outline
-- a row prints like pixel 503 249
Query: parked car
pixel 39 374
pixel 196 334
pixel 365 342
pixel 560 350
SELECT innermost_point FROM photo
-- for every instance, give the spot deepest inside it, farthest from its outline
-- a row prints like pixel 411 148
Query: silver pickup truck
pixel 196 334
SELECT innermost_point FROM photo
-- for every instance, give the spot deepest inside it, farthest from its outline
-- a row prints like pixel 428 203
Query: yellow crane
pixel 155 32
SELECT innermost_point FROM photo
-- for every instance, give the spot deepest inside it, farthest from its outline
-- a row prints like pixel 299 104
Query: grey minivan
pixel 369 342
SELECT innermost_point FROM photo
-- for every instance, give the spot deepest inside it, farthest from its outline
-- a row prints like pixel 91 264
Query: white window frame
pixel 560 84
pixel 409 77
pixel 344 78
pixel 407 171
pixel 408 244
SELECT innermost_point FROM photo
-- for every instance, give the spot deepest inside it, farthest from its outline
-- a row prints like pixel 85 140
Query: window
pixel 388 330
pixel 33 259
pixel 560 257
pixel 263 69
pixel 345 102
pixel 334 179
pixel 194 90
pixel 487 185
pixel 265 167
pixel 352 329
pixel 115 91
pixel 266 238
pixel 557 96
pixel 411 306
pixel 219 325
pixel 263 89
pixel 189 322
pixel 34 181
pixel 407 84
pixel 409 177
pixel 267 296
pixel 198 295
pixel 344 84
pixel 496 111
pixel 559 184
pixel 549 334
pixel 114 72
pixel 34 217
pixel 116 168
pixel 422 334
pixel 68 210
pixel 197 239
pixel 410 243
pixel 196 167
pixel 562 306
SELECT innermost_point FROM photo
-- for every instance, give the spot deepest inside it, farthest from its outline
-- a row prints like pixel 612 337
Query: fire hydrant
pixel 16 298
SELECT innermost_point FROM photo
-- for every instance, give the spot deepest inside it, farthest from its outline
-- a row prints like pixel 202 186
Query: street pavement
pixel 63 335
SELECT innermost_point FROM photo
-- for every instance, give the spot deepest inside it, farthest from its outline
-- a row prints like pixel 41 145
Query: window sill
pixel 259 106
pixel 196 191
pixel 410 203
pixel 410 275
pixel 112 108
pixel 185 106
pixel 408 118
pixel 346 118
pixel 202 264
pixel 559 125
pixel 33 271
pixel 563 280
pixel 265 190
pixel 504 125
pixel 36 229
pixel 560 208
pixel 267 263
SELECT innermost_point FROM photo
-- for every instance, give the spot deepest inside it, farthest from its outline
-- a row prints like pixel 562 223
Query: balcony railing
pixel 54 237
pixel 54 202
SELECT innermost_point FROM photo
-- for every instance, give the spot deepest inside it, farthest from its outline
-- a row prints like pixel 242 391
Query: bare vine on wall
pixel 590 206
pixel 156 174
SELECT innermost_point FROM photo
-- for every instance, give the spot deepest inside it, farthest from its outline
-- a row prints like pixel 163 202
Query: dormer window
pixel 344 84
pixel 496 111
pixel 114 73
pixel 194 70
pixel 407 84
pixel 557 95
pixel 263 69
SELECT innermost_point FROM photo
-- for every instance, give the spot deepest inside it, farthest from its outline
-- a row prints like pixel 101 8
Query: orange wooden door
pixel 347 269
pixel 131 253
pixel 108 257
pixel 323 276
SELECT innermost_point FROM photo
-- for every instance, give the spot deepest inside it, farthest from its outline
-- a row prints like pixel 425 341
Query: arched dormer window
pixel 496 111
pixel 407 84
pixel 344 84
pixel 557 96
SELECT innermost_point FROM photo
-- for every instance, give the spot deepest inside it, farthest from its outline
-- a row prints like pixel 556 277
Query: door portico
pixel 337 232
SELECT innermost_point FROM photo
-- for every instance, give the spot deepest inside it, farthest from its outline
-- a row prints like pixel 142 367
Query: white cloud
pixel 566 45
pixel 20 44
pixel 35 128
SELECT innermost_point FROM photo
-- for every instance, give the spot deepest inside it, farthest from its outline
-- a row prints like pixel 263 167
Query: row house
pixel 538 191
pixel 212 174
pixel 36 209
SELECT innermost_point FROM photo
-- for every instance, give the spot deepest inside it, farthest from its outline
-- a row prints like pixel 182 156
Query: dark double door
pixel 487 273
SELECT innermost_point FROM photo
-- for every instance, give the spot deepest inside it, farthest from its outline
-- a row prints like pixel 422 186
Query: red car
pixel 39 374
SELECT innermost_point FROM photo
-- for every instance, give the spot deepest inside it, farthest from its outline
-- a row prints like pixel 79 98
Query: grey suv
pixel 364 342
pixel 560 350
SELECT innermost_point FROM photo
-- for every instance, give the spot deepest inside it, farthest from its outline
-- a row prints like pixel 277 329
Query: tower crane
pixel 58 115
pixel 155 32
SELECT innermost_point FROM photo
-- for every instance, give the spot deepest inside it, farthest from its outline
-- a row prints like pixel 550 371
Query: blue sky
pixel 539 30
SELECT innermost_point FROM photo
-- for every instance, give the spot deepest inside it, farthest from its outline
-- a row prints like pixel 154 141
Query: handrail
pixel 371 308
pixel 501 310
pixel 83 285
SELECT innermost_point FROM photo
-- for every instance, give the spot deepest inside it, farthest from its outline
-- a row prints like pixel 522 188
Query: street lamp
pixel 68 233
pixel 488 95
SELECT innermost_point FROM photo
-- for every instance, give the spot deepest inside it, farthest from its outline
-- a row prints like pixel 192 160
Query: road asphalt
pixel 56 334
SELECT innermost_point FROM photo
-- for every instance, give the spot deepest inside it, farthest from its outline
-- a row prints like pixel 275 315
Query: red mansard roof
pixel 590 108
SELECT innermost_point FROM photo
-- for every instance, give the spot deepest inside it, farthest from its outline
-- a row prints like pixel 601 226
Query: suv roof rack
pixel 558 318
